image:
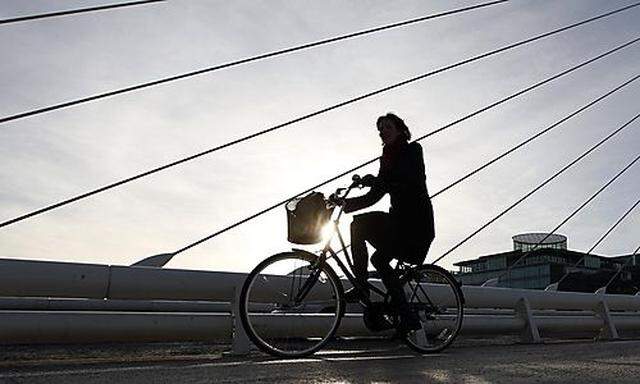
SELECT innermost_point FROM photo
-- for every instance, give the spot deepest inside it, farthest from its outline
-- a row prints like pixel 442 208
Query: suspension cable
pixel 76 11
pixel 158 169
pixel 602 238
pixel 373 160
pixel 537 135
pixel 274 206
pixel 547 181
pixel 530 139
pixel 243 61
pixel 619 271
pixel 614 226
pixel 571 215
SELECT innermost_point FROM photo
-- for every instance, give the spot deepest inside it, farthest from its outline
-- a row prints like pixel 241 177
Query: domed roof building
pixel 529 241
pixel 539 260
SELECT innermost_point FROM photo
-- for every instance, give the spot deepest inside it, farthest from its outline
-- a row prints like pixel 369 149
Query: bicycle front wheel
pixel 436 297
pixel 291 304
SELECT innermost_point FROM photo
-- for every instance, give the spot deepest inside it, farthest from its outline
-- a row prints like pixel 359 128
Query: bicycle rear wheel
pixel 436 297
pixel 290 305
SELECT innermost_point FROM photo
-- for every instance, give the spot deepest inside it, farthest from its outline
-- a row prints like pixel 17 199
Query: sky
pixel 56 155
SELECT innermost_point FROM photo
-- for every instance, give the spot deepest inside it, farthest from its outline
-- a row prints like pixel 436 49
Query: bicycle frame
pixel 328 253
pixel 328 301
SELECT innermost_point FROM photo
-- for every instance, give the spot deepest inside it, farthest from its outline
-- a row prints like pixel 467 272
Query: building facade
pixel 539 260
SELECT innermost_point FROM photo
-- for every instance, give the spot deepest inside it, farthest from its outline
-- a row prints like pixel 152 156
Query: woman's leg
pixel 381 259
pixel 368 227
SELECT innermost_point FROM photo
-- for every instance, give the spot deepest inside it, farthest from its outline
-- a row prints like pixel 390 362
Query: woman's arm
pixel 374 195
pixel 370 198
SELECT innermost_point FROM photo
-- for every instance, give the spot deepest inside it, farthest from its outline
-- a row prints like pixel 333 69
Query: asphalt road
pixel 485 361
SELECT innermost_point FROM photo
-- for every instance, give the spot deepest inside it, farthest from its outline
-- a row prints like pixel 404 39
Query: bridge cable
pixel 619 271
pixel 158 169
pixel 602 238
pixel 536 189
pixel 377 158
pixel 373 160
pixel 631 258
pixel 242 61
pixel 530 139
pixel 76 11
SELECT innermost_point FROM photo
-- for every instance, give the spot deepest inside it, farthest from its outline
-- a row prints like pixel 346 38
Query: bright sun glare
pixel 327 231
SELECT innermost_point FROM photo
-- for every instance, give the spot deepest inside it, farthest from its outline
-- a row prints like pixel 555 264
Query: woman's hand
pixel 368 180
pixel 335 200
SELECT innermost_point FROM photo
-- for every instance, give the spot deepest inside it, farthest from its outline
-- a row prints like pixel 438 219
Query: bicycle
pixel 292 303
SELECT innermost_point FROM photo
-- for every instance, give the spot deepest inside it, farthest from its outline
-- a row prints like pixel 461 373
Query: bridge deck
pixel 468 361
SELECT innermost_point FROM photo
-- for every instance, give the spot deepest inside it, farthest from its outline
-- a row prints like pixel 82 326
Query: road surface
pixel 470 361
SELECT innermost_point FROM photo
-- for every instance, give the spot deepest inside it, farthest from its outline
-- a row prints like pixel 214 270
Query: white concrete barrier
pixel 493 297
pixel 44 327
pixel 78 304
pixel 22 278
pixel 490 310
pixel 38 327
pixel 172 284
pixel 26 278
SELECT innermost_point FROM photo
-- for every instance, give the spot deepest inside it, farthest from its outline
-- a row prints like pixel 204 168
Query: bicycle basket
pixel 305 218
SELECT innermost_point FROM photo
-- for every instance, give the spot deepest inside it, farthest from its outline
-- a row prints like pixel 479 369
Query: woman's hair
pixel 397 122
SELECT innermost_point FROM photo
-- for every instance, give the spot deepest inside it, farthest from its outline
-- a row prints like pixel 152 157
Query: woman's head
pixel 392 128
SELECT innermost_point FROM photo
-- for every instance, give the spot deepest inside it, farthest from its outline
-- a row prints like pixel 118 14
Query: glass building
pixel 530 241
pixel 539 260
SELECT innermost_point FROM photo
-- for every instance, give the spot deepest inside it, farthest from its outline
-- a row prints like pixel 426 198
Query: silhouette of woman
pixel 406 232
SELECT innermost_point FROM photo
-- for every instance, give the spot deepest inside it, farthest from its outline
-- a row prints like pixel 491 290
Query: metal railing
pixel 48 302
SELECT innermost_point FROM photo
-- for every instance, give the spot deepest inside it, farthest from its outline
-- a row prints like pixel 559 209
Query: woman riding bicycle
pixel 291 303
pixel 406 232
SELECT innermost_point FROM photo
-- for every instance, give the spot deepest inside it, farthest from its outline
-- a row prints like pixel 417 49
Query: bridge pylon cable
pixel 606 234
pixel 527 141
pixel 218 67
pixel 541 185
pixel 77 11
pixel 528 89
pixel 619 271
pixel 209 237
pixel 441 129
pixel 535 247
pixel 536 136
pixel 272 207
pixel 600 240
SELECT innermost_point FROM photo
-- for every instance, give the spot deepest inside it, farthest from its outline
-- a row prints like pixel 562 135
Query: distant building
pixel 547 264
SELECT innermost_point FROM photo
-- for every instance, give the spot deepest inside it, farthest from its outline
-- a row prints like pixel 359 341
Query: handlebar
pixel 340 194
pixel 356 181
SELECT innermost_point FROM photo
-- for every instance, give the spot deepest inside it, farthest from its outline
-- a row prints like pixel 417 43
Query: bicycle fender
pixel 304 251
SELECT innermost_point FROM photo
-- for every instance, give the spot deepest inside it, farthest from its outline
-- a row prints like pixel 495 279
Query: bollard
pixel 240 343
pixel 608 331
pixel 530 333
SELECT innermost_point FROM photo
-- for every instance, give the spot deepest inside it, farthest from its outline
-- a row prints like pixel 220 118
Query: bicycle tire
pixel 270 317
pixel 439 302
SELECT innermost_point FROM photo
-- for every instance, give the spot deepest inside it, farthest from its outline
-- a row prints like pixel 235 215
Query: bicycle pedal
pixel 426 316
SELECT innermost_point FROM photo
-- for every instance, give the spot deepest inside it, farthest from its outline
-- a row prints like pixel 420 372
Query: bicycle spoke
pixel 303 304
pixel 426 296
pixel 435 297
